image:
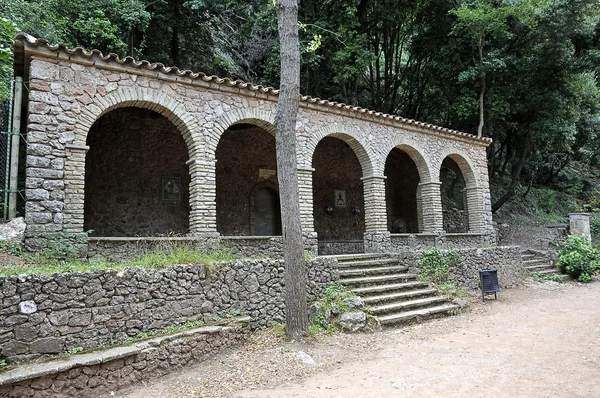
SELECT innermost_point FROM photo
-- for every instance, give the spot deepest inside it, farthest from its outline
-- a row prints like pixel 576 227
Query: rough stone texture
pixel 13 231
pixel 96 374
pixel 92 308
pixel 353 321
pixel 337 168
pixel 69 92
pixel 506 259
pixel 341 247
pixel 242 153
pixel 131 151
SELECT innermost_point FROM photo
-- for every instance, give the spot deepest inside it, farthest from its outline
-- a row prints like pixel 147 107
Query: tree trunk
pixel 482 92
pixel 516 177
pixel 296 314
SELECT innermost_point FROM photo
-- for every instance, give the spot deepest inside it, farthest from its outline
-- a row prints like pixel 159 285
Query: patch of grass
pixel 3 363
pixel 554 277
pixel 330 306
pixel 278 330
pixel 43 263
pixel 74 350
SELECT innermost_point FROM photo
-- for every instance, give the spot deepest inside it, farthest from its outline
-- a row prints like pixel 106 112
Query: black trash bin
pixel 489 283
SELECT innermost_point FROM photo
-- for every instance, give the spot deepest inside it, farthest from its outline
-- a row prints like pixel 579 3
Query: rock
pixel 27 307
pixel 461 302
pixel 13 231
pixel 305 358
pixel 47 345
pixel 353 321
pixel 354 303
pixel 13 348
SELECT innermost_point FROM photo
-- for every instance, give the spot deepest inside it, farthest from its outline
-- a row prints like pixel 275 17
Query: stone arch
pixel 140 97
pixel 349 136
pixel 415 154
pixel 465 165
pixel 473 200
pixel 264 119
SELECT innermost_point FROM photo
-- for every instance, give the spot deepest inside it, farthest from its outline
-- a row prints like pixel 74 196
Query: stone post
pixel 419 210
pixel 579 225
pixel 74 178
pixel 305 175
pixel 475 209
pixel 377 236
pixel 431 199
pixel 203 205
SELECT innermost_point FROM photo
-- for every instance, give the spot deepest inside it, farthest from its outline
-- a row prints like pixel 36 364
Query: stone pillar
pixel 377 236
pixel 579 225
pixel 475 209
pixel 74 179
pixel 203 192
pixel 431 199
pixel 419 210
pixel 305 175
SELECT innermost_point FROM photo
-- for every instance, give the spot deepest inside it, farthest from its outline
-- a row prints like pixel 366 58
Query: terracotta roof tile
pixel 23 39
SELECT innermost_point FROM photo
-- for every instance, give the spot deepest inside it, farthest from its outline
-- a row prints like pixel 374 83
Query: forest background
pixel 524 72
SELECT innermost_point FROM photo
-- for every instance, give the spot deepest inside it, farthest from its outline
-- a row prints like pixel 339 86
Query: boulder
pixel 354 303
pixel 13 231
pixel 353 321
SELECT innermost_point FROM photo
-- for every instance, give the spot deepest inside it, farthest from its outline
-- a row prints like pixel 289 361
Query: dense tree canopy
pixel 524 72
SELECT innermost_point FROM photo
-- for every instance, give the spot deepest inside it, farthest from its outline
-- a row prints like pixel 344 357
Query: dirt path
pixel 539 341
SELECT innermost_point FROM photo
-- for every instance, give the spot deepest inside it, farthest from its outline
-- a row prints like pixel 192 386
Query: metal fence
pixel 6 108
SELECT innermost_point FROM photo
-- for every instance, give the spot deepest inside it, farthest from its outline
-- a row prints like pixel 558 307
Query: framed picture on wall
pixel 339 198
pixel 171 189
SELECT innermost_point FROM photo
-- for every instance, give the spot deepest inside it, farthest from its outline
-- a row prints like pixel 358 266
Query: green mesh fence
pixel 6 90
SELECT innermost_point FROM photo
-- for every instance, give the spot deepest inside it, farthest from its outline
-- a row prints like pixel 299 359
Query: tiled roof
pixel 24 39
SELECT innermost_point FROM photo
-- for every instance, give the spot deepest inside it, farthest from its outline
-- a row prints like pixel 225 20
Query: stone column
pixel 203 205
pixel 431 199
pixel 419 210
pixel 475 209
pixel 305 175
pixel 377 236
pixel 579 225
pixel 74 178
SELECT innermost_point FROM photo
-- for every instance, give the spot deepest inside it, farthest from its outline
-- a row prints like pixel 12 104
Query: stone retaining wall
pixel 47 314
pixel 103 372
pixel 506 259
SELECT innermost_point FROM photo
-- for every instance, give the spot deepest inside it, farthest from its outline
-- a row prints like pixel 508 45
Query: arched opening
pixel 338 198
pixel 454 197
pixel 402 181
pixel 136 179
pixel 247 190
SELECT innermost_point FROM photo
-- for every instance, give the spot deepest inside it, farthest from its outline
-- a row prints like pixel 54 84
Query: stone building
pixel 131 150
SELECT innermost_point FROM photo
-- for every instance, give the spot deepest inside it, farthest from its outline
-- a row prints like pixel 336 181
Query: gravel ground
pixel 537 341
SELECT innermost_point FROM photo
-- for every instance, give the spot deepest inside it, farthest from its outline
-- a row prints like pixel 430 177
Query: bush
pixel 434 265
pixel 577 257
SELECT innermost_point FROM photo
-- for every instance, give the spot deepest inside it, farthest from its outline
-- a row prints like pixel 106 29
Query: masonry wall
pixel 246 161
pixel 137 182
pixel 47 314
pixel 337 169
pixel 67 95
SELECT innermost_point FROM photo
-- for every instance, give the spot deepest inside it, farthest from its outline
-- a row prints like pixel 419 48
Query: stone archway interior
pixel 454 198
pixel 338 197
pixel 401 192
pixel 246 159
pixel 136 179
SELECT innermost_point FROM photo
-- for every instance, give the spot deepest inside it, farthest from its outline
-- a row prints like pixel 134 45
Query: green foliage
pixel 554 277
pixel 3 363
pixel 44 262
pixel 330 306
pixel 434 265
pixel 74 350
pixel 577 257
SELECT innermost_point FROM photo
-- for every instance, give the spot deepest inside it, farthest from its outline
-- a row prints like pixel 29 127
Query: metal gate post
pixel 14 149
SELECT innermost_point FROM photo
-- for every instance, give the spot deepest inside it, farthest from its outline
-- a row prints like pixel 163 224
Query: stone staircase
pixel 536 262
pixel 394 295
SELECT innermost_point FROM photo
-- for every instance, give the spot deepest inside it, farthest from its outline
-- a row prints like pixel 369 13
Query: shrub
pixel 577 257
pixel 434 265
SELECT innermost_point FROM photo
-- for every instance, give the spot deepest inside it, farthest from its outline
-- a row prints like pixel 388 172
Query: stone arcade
pixel 130 150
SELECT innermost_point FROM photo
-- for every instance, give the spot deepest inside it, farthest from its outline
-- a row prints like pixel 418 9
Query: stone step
pixel 394 287
pixel 371 280
pixel 372 271
pixel 533 268
pixel 402 295
pixel 408 305
pixel 342 258
pixel 420 314
pixel 369 263
pixel 534 262
pixel 548 271
pixel 527 256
